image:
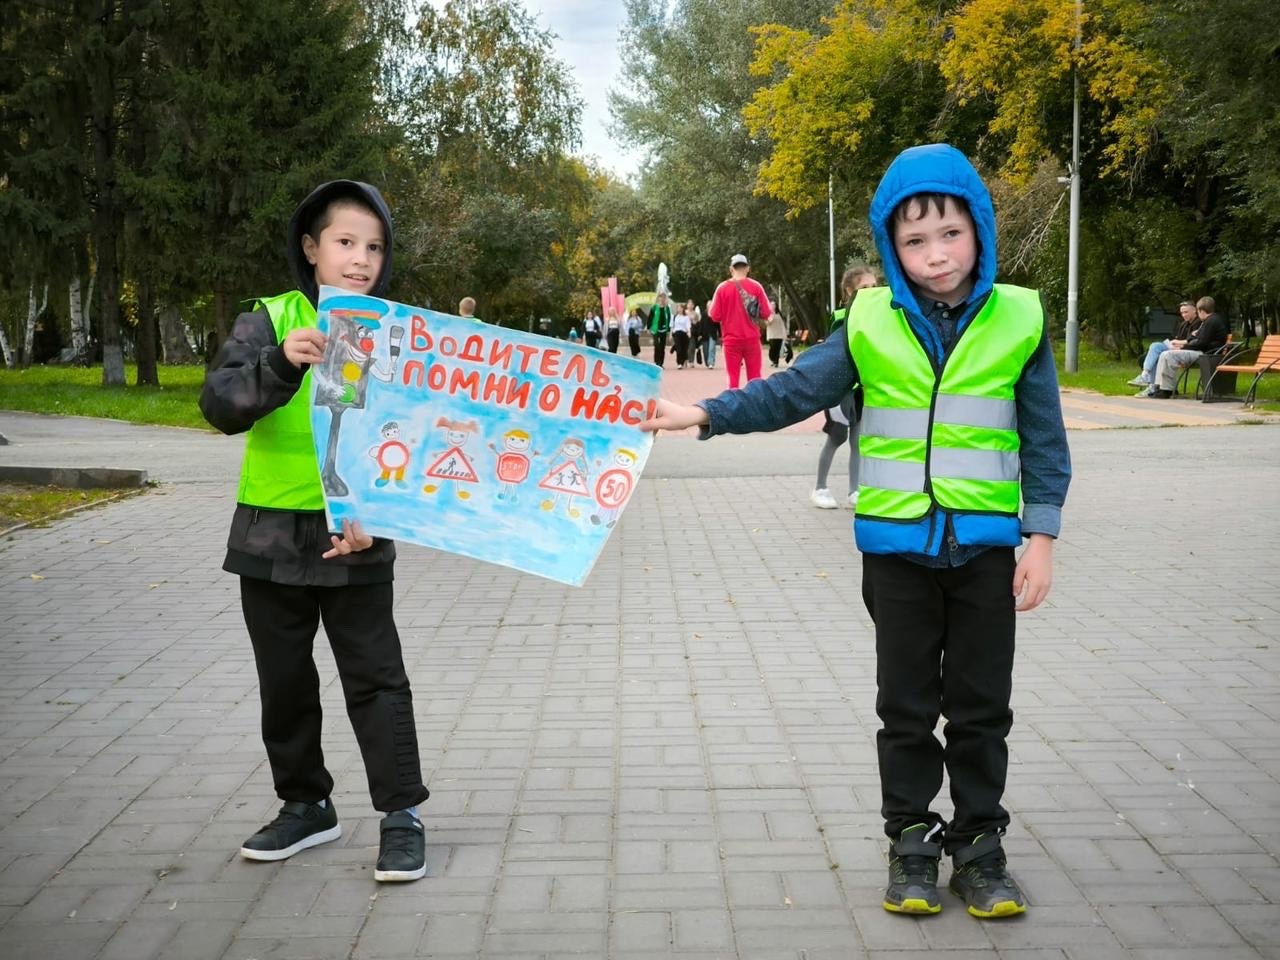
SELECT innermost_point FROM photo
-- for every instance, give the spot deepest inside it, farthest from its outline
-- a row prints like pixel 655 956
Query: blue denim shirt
pixel 822 375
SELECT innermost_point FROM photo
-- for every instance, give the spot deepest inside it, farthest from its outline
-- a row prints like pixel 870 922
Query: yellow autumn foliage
pixel 890 72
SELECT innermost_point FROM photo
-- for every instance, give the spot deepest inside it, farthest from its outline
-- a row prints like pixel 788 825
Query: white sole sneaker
pixel 823 500
pixel 391 876
pixel 324 836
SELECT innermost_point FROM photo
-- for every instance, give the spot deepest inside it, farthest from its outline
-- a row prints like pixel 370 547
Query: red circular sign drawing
pixel 613 488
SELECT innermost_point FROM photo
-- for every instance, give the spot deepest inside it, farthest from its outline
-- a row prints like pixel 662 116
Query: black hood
pixel 304 274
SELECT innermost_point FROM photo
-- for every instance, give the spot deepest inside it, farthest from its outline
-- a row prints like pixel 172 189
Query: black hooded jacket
pixel 250 378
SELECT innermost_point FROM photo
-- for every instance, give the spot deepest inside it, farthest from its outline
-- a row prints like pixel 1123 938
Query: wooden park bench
pixel 1267 361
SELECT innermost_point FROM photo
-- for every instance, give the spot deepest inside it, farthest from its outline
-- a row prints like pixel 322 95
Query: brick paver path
pixel 676 760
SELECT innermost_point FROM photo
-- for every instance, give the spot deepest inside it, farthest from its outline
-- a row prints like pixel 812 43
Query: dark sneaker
pixel 403 853
pixel 913 872
pixel 296 827
pixel 982 879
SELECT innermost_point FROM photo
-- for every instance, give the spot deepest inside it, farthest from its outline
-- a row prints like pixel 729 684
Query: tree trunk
pixel 79 323
pixel 4 348
pixel 145 341
pixel 33 313
pixel 106 218
pixel 221 324
pixel 173 336
pixel 88 319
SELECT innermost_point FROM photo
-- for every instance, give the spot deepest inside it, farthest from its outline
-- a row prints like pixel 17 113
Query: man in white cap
pixel 741 306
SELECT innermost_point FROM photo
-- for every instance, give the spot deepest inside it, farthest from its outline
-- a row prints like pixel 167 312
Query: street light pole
pixel 831 240
pixel 1073 236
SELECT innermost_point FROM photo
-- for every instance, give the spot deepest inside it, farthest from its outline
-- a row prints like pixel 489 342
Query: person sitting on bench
pixel 1210 336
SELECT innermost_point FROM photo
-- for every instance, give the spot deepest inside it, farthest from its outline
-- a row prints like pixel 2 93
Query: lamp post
pixel 831 240
pixel 1073 236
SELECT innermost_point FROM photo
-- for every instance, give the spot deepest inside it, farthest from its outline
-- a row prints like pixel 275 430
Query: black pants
pixel 775 351
pixel 944 644
pixel 612 339
pixel 593 339
pixel 633 341
pixel 659 348
pixel 681 340
pixel 282 622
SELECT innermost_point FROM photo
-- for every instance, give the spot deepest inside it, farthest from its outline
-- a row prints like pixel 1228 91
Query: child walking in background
pixel 841 421
pixel 962 424
pixel 289 581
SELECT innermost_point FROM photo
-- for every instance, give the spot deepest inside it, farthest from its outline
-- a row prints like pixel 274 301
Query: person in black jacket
pixel 1210 336
pixel 294 573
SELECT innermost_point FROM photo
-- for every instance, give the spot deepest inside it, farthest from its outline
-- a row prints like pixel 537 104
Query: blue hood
pixel 933 168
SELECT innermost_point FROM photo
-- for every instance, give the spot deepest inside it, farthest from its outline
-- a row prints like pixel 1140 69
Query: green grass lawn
pixel 78 391
pixel 22 503
pixel 1099 371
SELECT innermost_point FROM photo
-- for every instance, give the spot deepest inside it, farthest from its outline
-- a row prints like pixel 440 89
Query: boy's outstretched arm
pixel 820 378
pixel 674 416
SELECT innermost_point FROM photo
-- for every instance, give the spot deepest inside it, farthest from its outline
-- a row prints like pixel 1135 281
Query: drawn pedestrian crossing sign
pixel 566 478
pixel 453 465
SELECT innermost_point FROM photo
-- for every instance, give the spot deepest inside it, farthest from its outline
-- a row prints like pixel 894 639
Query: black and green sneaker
pixel 980 876
pixel 913 871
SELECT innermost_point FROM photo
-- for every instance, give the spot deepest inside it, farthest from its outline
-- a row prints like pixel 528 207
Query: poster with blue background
pixel 491 443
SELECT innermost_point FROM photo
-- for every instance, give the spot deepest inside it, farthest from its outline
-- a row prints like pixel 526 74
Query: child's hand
pixel 353 540
pixel 1033 576
pixel 674 416
pixel 304 345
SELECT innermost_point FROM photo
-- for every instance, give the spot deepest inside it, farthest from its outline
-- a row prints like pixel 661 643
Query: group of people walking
pixel 694 334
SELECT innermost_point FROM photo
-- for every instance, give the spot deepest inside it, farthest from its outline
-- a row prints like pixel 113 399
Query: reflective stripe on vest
pixel 280 470
pixel 944 437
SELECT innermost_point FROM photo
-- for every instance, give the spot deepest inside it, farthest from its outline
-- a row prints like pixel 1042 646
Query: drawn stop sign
pixel 613 488
pixel 513 467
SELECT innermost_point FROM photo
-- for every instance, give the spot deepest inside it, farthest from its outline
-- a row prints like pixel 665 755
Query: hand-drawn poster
pixel 491 443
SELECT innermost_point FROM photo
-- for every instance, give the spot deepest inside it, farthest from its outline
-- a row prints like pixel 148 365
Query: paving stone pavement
pixel 676 760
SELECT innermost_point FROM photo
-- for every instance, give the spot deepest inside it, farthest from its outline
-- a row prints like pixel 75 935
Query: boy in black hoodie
pixel 289 582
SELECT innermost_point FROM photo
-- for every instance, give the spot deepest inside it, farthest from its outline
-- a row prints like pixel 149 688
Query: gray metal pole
pixel 831 239
pixel 1073 237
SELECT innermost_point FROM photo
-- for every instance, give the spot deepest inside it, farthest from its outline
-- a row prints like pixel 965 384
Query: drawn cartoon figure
pixel 357 346
pixel 343 378
pixel 513 463
pixel 568 477
pixel 453 465
pixel 614 487
pixel 392 456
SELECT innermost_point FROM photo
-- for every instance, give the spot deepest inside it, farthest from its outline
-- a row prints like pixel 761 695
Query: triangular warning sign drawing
pixel 566 478
pixel 453 465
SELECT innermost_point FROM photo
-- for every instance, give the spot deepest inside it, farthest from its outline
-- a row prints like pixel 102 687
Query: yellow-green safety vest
pixel 280 470
pixel 946 436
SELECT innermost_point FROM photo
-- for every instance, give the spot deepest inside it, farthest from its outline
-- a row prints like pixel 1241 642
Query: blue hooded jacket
pixel 823 374
pixel 933 168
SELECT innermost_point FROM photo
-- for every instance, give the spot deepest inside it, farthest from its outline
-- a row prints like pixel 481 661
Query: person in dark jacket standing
pixel 295 574
pixel 1210 336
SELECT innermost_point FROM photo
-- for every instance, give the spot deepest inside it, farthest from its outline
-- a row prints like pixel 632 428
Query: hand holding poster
pixel 491 443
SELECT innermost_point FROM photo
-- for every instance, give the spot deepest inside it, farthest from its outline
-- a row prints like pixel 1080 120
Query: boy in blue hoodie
pixel 295 574
pixel 962 425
